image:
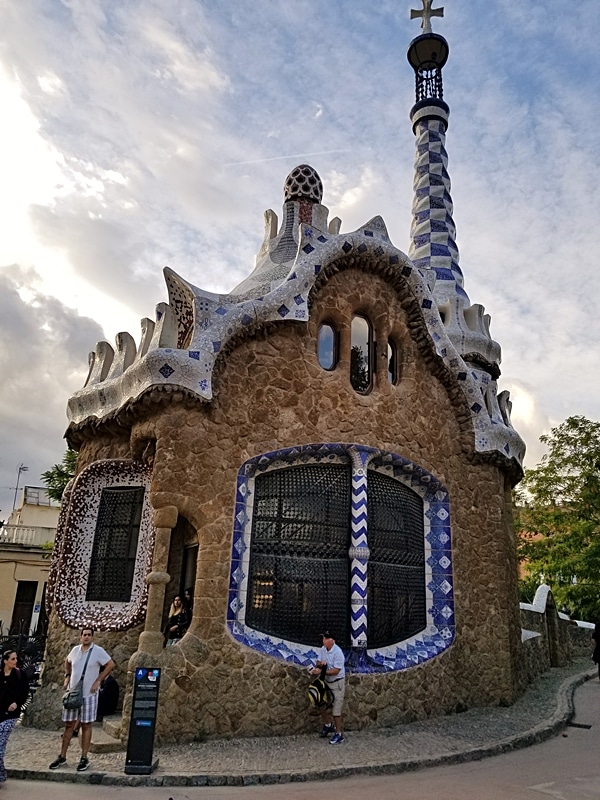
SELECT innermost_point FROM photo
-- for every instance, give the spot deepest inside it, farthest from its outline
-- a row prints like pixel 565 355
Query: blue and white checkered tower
pixel 433 233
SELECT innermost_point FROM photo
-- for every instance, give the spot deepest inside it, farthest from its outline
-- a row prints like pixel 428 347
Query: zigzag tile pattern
pixel 359 550
pixel 433 233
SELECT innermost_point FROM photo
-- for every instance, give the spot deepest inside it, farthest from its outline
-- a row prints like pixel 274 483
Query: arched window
pixel 327 346
pixel 361 354
pixel 341 536
pixel 298 579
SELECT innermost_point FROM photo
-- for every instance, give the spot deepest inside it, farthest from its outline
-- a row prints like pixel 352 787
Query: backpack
pixel 319 693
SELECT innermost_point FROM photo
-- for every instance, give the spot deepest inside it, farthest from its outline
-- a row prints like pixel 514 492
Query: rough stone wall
pixel 554 645
pixel 581 642
pixel 270 392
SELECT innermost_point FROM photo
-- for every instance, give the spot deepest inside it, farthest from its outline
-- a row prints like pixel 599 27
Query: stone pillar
pixel 151 638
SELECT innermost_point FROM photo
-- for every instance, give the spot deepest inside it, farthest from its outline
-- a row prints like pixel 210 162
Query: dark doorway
pixel 188 568
pixel 42 623
pixel 183 554
pixel 23 608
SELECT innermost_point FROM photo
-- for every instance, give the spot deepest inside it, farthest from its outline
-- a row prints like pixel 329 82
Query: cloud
pixel 43 359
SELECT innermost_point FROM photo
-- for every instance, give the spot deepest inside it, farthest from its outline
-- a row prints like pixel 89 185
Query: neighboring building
pixel 322 447
pixel 25 542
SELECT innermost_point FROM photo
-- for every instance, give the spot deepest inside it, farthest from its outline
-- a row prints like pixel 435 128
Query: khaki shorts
pixel 339 690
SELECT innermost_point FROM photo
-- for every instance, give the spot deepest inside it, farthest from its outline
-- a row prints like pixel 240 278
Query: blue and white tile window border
pixel 439 632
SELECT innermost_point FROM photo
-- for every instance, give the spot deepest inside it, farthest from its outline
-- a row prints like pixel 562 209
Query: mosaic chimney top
pixel 303 192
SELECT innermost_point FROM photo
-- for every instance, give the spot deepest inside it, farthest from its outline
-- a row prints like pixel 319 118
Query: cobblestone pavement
pixel 540 713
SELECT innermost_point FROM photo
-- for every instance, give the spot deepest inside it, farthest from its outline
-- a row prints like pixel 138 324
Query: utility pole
pixel 21 468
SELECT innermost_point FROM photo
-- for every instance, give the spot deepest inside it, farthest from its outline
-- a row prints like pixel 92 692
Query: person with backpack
pixel 331 657
pixel 12 697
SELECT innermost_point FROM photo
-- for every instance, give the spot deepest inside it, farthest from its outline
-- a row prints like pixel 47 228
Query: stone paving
pixel 544 710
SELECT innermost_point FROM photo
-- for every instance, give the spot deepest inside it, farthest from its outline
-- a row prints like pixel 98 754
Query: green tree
pixel 59 475
pixel 558 517
pixel 359 369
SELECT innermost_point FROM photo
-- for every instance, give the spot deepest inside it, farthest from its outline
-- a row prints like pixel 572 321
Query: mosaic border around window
pixel 440 630
pixel 71 562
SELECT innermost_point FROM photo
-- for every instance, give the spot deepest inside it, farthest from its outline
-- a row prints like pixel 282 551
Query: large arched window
pixel 342 537
pixel 361 354
pixel 298 582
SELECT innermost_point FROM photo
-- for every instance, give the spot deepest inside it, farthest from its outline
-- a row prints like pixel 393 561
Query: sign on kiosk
pixel 143 722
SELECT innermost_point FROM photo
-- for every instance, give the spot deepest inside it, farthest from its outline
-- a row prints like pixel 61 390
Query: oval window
pixel 327 346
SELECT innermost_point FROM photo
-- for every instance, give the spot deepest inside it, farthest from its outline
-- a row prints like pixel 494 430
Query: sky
pixel 148 133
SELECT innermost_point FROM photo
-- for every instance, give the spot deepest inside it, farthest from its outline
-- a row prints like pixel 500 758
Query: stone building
pixel 324 446
pixel 25 543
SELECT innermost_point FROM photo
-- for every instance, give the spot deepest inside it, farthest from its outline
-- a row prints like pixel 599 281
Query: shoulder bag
pixel 73 698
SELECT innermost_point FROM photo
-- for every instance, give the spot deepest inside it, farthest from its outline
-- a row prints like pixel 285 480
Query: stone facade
pixel 212 685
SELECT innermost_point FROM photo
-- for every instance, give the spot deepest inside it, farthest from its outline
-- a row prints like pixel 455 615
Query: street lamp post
pixel 21 468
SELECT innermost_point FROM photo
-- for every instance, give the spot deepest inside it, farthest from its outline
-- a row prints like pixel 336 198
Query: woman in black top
pixel 11 700
pixel 179 620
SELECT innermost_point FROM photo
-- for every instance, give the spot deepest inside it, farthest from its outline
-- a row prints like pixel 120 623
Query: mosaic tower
pixel 433 232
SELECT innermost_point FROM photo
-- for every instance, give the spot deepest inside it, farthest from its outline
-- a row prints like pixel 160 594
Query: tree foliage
pixel 558 517
pixel 59 475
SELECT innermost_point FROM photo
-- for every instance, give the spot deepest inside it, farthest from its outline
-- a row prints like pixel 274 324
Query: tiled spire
pixel 433 233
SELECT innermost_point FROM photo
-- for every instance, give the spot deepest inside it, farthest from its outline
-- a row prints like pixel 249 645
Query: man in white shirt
pixel 99 665
pixel 332 657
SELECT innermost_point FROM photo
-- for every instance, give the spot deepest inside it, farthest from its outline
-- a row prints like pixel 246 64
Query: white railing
pixel 32 535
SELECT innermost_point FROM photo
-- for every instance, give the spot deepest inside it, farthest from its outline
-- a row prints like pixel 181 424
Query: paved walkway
pixel 543 711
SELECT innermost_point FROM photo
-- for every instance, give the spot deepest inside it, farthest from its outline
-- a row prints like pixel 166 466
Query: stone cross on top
pixel 426 13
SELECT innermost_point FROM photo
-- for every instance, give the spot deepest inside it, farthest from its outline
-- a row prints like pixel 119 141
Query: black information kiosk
pixel 143 722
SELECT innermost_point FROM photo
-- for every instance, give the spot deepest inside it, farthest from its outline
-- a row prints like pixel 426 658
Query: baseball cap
pixel 327 635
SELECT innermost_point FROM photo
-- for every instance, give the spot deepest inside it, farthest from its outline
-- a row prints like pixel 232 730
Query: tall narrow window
pixel 361 354
pixel 327 346
pixel 392 356
pixel 115 544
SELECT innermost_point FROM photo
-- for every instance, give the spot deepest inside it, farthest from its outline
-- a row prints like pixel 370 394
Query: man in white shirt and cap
pixel 332 658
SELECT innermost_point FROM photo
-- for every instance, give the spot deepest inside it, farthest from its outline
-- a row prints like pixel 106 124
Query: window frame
pixel 106 537
pixel 370 353
pixel 335 345
pixel 68 578
pixel 439 631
